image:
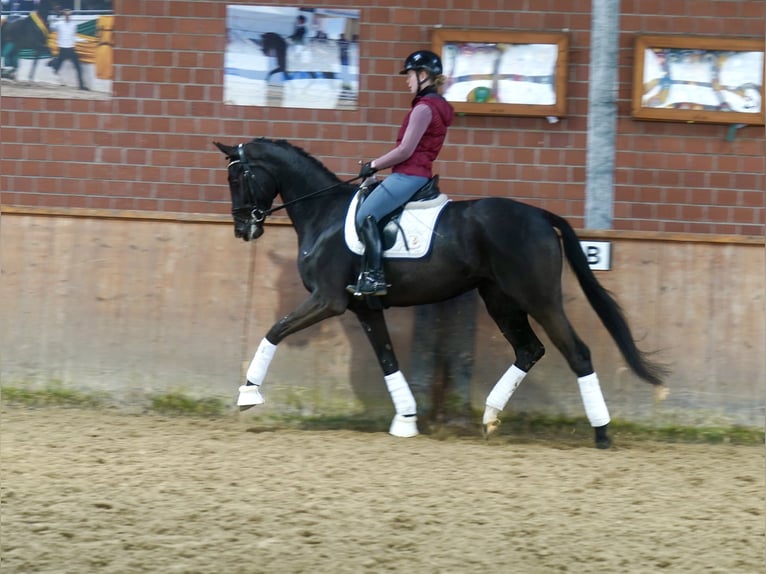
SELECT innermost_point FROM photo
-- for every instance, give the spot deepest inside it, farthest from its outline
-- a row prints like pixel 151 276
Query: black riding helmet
pixel 423 60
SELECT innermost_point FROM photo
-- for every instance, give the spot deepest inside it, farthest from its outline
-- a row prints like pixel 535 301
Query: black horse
pixel 509 251
pixel 275 46
pixel 30 33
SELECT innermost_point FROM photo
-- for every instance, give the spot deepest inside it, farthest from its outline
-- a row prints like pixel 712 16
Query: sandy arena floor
pixel 97 491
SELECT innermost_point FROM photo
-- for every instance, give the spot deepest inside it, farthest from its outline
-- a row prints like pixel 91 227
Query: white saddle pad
pixel 418 222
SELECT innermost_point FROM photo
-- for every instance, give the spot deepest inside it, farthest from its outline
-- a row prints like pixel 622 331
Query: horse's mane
pixel 284 144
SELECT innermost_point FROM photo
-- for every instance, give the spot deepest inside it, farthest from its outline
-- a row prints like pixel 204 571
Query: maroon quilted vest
pixel 421 161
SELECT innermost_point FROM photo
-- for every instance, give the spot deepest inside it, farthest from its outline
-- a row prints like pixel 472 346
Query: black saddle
pixel 389 224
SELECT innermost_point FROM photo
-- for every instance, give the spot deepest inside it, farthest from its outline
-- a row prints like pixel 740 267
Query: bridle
pixel 251 210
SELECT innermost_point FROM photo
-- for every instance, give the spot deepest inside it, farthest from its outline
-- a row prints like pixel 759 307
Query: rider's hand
pixel 366 170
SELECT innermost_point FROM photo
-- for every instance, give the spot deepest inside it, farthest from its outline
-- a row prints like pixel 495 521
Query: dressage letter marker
pixel 599 254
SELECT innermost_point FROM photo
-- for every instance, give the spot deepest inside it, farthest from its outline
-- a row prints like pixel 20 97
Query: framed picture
pixel 33 64
pixel 698 79
pixel 291 57
pixel 504 73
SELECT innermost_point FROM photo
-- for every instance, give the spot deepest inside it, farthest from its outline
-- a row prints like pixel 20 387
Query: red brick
pixel 754 199
pixel 155 134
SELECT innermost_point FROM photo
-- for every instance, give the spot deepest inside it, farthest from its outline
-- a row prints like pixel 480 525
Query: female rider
pixel 418 143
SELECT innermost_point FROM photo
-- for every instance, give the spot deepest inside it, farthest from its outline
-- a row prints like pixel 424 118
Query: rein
pixel 259 214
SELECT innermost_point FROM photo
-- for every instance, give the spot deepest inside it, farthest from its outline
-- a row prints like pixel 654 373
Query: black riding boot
pixel 371 279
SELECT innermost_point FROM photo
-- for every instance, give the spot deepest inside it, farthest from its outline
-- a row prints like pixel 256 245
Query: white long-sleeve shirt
pixel 66 33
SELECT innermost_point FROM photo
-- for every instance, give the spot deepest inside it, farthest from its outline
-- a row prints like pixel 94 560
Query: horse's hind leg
pixel 373 322
pixel 514 325
pixel 577 355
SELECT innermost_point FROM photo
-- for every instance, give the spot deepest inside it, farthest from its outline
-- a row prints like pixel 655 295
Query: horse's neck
pixel 314 214
pixel 301 177
pixel 309 188
pixel 43 14
pixel 43 10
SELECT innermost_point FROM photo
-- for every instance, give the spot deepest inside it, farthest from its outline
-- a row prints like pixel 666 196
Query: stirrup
pixel 367 285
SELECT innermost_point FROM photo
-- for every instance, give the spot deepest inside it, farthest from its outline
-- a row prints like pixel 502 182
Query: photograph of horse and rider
pixel 291 57
pixel 57 48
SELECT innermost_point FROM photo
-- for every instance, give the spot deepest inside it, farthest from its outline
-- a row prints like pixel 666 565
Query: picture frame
pixel 698 79
pixel 504 73
pixel 291 56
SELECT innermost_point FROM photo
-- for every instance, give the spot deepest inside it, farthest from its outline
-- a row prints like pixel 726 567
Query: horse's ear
pixel 228 151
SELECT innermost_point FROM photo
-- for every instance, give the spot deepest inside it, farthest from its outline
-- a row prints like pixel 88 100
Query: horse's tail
pixel 606 307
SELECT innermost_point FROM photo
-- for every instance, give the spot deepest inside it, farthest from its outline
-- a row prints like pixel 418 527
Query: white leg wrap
pixel 250 394
pixel 401 395
pixel 505 387
pixel 593 400
pixel 256 372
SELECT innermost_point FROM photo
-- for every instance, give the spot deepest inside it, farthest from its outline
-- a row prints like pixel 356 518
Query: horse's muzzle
pixel 248 231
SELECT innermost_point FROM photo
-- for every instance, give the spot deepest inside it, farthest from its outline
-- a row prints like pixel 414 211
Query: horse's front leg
pixel 373 322
pixel 311 311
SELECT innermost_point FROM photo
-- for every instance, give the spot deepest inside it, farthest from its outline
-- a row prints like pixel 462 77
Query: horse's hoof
pixel 602 439
pixel 604 443
pixel 490 421
pixel 404 427
pixel 490 428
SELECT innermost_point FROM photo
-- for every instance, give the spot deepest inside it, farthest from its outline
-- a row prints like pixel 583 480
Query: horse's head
pixel 250 199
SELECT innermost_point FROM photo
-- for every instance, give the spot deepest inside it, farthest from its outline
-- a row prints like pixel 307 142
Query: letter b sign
pixel 599 254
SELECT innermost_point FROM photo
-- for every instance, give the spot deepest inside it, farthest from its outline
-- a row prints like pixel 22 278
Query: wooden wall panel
pixel 123 305
pixel 136 307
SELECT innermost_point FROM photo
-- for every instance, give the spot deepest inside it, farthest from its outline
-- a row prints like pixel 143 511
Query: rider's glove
pixel 366 170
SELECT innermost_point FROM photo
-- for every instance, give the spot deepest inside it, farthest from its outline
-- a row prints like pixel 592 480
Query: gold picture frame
pixel 698 79
pixel 503 73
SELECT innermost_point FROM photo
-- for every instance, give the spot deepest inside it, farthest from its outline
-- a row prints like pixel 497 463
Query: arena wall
pixel 135 306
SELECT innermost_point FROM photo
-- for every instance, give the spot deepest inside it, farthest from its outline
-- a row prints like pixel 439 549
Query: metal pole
pixel 602 114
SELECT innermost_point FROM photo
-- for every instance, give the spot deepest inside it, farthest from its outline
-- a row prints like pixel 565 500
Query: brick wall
pixel 679 176
pixel 149 147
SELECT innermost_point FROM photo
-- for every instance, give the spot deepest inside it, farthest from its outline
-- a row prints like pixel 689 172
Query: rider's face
pixel 412 81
